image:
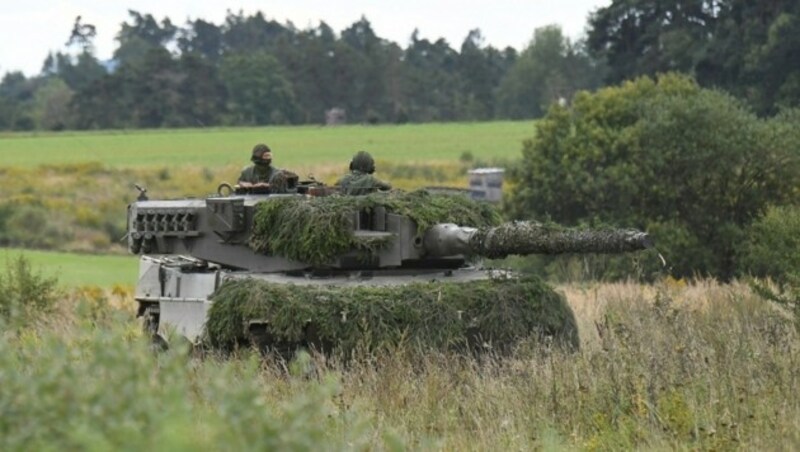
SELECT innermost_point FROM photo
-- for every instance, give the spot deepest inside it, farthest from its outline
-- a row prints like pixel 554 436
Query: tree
pixel 202 38
pixel 138 38
pixel 430 86
pixel 746 47
pixel 82 35
pixel 369 58
pixel 16 93
pixel 52 105
pixel 250 33
pixel 481 68
pixel 550 69
pixel 201 93
pixel 691 165
pixel 258 91
pixel 645 37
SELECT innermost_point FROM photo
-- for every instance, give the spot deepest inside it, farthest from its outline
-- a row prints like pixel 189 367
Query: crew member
pixel 360 181
pixel 261 171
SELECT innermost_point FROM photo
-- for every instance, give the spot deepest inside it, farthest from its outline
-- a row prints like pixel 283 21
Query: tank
pixel 309 267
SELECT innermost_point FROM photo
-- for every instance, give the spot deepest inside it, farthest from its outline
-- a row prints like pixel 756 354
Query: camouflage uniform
pixel 261 170
pixel 257 173
pixel 360 180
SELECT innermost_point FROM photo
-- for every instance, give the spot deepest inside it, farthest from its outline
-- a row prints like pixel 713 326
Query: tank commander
pixel 261 171
pixel 360 181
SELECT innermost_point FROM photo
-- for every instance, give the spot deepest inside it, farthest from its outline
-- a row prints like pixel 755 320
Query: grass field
pixel 73 270
pixel 293 146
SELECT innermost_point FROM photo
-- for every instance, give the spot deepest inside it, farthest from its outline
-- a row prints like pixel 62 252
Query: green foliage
pixel 772 244
pixel 747 48
pixel 638 37
pixel 258 90
pixel 24 294
pixel 432 315
pixel 550 69
pixel 32 225
pixel 97 390
pixel 772 248
pixel 51 105
pixel 666 155
pixel 317 230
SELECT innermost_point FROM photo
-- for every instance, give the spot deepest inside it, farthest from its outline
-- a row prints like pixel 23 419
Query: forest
pixel 253 70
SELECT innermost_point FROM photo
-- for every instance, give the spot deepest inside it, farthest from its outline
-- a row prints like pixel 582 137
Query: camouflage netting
pixel 523 238
pixel 316 230
pixel 498 312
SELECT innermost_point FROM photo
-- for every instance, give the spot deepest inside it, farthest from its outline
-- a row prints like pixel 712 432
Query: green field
pixel 293 146
pixel 73 270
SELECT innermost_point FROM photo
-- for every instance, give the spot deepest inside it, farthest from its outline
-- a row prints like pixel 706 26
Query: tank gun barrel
pixel 524 238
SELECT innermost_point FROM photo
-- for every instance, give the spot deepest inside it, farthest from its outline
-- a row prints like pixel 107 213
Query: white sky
pixel 31 28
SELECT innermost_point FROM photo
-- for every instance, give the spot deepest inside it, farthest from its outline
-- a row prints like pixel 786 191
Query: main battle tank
pixel 310 267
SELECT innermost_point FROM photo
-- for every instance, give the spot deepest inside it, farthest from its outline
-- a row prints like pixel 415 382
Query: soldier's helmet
pixel 258 151
pixel 363 162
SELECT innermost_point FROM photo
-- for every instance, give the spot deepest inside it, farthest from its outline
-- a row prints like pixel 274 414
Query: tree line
pixel 251 70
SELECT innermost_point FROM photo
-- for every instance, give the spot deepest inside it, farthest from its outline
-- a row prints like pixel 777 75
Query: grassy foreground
pixel 294 147
pixel 670 366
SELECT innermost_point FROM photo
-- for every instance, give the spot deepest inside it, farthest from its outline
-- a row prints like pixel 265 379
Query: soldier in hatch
pixel 360 180
pixel 260 173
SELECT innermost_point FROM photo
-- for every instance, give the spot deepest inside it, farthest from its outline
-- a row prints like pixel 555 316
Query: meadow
pixel 75 270
pixel 296 147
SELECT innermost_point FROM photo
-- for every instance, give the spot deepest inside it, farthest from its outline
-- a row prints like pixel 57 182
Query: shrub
pixel 691 163
pixel 25 295
pixel 32 225
pixel 96 390
pixel 772 249
pixel 772 245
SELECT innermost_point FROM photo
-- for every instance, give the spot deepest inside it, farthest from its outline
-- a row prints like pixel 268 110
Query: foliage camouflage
pixel 316 230
pixel 432 315
pixel 523 238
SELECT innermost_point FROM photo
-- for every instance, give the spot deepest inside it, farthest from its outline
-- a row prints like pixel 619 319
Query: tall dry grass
pixel 674 365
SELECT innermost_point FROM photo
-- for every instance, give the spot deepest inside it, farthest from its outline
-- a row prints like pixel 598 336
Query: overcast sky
pixel 31 28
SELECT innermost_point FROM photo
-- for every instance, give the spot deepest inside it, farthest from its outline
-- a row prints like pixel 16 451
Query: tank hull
pixel 175 292
pixel 465 309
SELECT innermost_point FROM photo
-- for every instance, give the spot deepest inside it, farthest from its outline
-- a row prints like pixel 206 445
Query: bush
pixel 772 246
pixel 691 164
pixel 25 295
pixel 32 226
pixel 772 249
pixel 97 390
